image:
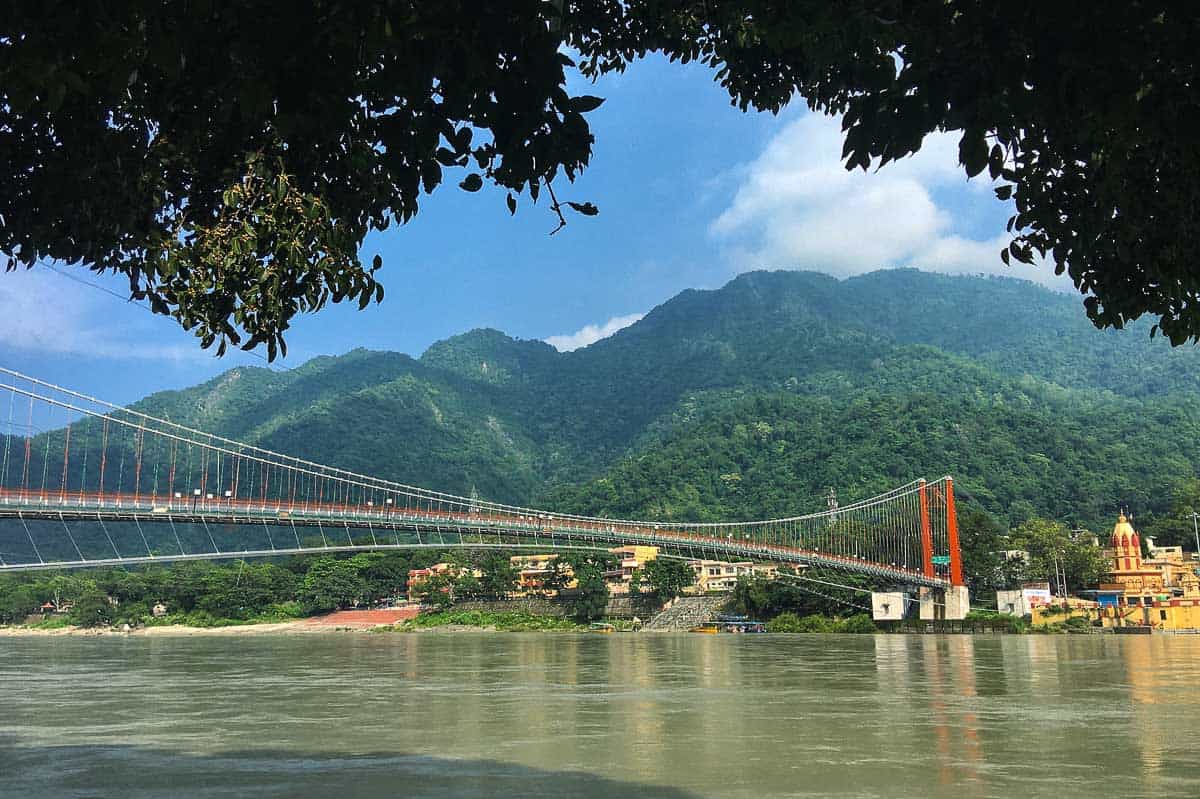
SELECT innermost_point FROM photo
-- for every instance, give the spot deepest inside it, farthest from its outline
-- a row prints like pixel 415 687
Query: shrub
pixel 503 622
pixel 51 623
pixel 784 623
pixel 987 615
pixel 16 603
pixel 1048 629
pixel 791 623
pixel 131 613
pixel 92 609
pixel 860 624
pixel 816 624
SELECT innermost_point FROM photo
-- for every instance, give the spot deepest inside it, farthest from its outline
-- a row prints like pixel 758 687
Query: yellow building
pixel 1161 592
pixel 533 572
pixel 629 559
pixel 1129 574
pixel 1170 561
pixel 1181 612
pixel 720 575
pixel 418 577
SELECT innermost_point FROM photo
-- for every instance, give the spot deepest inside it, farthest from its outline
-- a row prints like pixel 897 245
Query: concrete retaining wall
pixel 618 607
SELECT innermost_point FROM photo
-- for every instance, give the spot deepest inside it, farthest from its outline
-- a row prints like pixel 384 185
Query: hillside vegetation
pixel 754 399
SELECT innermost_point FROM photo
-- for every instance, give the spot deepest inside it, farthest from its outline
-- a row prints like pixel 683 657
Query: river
pixel 557 715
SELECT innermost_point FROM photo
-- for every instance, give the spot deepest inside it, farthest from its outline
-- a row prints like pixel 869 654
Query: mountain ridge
pixel 519 421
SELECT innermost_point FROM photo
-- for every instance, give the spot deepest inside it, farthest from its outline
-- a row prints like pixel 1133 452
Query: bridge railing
pixel 67 451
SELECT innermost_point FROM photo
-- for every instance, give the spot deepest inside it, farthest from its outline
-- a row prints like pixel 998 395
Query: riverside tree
pixel 17 601
pixel 330 584
pixel 230 159
pixel 1177 527
pixel 1052 548
pixel 668 578
pixel 589 600
pixel 499 577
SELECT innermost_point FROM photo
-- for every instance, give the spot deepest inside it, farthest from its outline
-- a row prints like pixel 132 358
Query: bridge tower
pixel 954 601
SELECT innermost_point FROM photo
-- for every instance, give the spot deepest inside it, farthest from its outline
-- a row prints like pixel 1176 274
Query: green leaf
pixel 995 161
pixel 431 175
pixel 585 103
pixel 973 152
pixel 587 209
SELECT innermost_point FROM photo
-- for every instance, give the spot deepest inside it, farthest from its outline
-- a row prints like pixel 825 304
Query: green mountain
pixel 752 400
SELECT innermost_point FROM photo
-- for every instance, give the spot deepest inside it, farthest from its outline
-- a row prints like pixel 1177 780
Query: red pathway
pixel 365 618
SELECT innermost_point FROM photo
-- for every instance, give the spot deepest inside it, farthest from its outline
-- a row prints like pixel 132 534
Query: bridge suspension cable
pixel 85 482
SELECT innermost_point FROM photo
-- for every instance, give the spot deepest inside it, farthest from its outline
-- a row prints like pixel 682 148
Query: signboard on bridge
pixel 941 560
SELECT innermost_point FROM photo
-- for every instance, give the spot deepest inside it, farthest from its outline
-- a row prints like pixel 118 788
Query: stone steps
pixel 686 612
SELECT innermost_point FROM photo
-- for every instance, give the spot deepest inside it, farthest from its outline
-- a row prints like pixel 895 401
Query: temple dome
pixel 1123 532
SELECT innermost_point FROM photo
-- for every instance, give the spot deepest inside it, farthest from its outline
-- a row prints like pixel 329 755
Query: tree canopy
pixel 230 159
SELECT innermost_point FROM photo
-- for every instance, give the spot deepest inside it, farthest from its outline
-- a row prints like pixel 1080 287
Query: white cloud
pixel 797 206
pixel 44 312
pixel 590 334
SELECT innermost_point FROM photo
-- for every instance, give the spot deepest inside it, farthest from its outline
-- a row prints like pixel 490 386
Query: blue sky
pixel 691 192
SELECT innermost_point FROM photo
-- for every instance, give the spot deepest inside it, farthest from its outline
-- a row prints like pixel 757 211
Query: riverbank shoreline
pixel 299 626
pixel 340 621
pixel 411 620
pixel 398 620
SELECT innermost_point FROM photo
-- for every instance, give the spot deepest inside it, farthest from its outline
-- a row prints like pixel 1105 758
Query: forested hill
pixel 753 399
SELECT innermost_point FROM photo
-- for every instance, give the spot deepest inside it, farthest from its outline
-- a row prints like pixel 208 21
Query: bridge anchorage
pixel 88 483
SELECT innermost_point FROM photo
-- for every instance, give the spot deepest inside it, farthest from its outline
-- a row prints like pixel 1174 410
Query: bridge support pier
pixel 952 603
pixel 888 606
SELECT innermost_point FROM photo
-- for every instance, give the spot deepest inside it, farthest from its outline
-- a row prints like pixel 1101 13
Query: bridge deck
pixel 425 528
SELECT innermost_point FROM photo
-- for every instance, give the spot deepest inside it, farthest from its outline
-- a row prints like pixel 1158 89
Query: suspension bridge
pixel 88 483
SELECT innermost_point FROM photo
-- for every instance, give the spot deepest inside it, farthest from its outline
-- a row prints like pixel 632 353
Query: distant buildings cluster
pixel 1161 591
pixel 546 574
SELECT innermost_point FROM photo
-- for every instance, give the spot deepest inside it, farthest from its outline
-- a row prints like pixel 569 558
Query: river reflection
pixel 434 715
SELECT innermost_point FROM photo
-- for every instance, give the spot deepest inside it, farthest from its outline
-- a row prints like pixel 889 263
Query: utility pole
pixel 1196 532
pixel 1058 577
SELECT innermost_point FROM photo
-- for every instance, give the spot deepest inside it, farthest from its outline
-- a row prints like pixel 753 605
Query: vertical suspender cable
pixel 28 451
pixel 62 493
pixel 103 456
pixel 46 455
pixel 8 435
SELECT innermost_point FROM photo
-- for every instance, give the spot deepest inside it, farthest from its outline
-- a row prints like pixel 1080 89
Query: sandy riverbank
pixel 302 627
pixel 298 626
pixel 341 621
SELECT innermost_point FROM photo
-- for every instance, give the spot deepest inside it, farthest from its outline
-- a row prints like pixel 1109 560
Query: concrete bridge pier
pixel 951 603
